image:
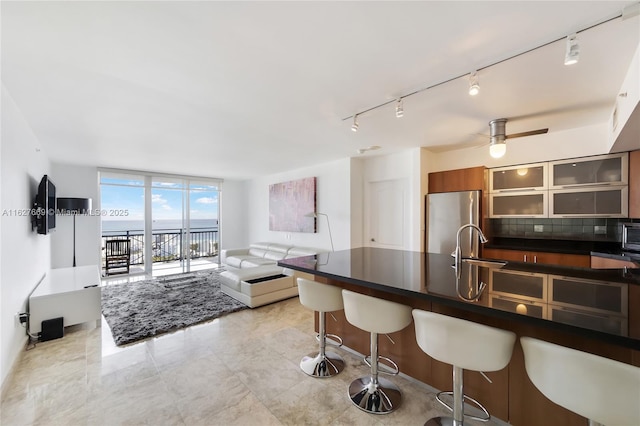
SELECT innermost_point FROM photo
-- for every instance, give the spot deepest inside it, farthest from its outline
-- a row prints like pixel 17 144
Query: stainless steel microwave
pixel 631 236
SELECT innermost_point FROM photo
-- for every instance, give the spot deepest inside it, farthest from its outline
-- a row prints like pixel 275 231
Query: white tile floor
pixel 239 369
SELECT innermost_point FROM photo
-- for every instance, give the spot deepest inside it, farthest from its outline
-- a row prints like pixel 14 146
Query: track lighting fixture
pixel 571 57
pixel 474 84
pixel 399 108
pixel 572 54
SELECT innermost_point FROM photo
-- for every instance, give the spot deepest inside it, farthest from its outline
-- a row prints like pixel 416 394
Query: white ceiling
pixel 243 89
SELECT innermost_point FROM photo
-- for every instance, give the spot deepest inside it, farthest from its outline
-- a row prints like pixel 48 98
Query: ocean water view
pixel 117 226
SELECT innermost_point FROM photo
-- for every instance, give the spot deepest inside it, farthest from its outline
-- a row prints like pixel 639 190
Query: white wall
pixel 333 198
pixel 25 256
pixel 76 182
pixel 357 202
pixel 234 211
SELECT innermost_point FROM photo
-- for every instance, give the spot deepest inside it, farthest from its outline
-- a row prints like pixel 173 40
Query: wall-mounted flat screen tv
pixel 45 206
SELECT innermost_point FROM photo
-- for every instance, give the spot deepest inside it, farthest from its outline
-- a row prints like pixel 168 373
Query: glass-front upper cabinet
pixel 519 204
pixel 611 201
pixel 598 170
pixel 527 177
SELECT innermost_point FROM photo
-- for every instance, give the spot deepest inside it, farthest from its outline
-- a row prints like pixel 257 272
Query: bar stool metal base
pixel 466 399
pixel 442 421
pixel 316 365
pixel 382 398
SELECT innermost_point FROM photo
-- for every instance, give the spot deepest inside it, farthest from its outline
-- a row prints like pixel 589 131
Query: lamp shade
pixel 74 205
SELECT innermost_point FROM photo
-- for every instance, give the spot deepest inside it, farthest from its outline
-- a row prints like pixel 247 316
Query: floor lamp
pixel 316 214
pixel 73 206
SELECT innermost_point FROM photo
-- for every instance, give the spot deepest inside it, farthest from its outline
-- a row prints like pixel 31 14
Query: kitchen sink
pixel 493 264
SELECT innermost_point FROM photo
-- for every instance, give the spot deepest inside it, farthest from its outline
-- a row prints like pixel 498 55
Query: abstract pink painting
pixel 290 202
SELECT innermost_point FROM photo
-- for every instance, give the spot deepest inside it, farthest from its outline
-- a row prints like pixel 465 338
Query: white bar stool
pixel 322 298
pixel 601 389
pixel 373 394
pixel 467 346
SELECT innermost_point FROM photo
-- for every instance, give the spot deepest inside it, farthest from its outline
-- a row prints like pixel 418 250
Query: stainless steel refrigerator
pixel 448 211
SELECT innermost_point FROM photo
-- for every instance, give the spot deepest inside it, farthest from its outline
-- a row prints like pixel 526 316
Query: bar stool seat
pixel 467 346
pixel 374 394
pixel 601 389
pixel 322 298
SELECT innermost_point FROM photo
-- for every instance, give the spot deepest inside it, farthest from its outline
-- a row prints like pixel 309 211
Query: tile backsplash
pixel 583 229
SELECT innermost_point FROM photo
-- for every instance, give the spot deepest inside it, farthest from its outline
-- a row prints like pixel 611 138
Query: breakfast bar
pixel 596 311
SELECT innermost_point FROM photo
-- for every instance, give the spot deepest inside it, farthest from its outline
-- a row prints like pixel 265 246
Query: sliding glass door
pixel 176 220
pixel 203 206
pixel 169 226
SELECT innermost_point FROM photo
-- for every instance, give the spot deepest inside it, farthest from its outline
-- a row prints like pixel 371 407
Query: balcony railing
pixel 167 245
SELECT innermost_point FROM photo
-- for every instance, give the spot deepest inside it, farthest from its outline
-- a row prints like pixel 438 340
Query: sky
pixel 127 202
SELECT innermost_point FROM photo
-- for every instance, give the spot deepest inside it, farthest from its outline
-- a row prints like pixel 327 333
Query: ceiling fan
pixel 498 136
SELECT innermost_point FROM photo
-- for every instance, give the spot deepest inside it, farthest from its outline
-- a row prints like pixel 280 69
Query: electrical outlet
pixel 21 318
pixel 538 228
pixel 599 229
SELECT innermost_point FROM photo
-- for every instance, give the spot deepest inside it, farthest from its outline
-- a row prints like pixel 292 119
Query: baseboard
pixel 6 381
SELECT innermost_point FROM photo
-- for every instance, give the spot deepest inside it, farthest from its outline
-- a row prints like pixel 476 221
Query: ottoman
pixel 258 286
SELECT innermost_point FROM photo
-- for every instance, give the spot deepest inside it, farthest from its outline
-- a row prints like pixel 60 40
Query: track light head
pixel 399 108
pixel 572 54
pixel 474 84
pixel 354 126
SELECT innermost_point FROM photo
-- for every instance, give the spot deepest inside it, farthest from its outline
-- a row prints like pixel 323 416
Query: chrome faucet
pixel 457 253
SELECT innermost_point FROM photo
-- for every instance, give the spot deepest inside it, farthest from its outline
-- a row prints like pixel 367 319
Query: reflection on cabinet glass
pixel 591 320
pixel 520 284
pixel 529 204
pixel 603 169
pixel 518 178
pixel 585 294
pixel 518 306
pixel 610 201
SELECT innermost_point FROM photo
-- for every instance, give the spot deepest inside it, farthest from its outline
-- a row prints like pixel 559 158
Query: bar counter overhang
pixel 609 326
pixel 432 277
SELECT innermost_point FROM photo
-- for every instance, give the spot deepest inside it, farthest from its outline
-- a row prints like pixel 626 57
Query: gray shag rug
pixel 147 308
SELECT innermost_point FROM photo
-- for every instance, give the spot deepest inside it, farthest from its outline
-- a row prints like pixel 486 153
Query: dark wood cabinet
pixel 598 262
pixel 511 397
pixel 634 184
pixel 564 259
pixel 469 179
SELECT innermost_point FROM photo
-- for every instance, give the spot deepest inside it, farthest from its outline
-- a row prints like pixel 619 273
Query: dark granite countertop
pixel 431 276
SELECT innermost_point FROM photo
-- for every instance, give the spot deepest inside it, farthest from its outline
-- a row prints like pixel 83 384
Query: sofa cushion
pixel 300 251
pixel 260 245
pixel 279 248
pixel 257 252
pixel 252 262
pixel 247 261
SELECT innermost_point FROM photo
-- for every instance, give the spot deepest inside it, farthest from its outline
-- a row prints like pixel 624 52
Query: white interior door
pixel 387 214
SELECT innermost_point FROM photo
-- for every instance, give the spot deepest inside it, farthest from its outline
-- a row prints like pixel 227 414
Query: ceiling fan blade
pixel 529 133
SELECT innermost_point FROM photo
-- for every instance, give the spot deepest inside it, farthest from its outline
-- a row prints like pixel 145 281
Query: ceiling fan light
pixel 497 148
pixel 399 108
pixel 572 54
pixel 354 126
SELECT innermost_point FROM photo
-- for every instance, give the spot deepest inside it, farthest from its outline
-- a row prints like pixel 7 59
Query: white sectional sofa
pixel 253 276
pixel 260 254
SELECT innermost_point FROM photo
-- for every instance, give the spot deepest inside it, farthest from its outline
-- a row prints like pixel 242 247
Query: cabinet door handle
pixel 516 190
pixel 589 185
pixel 535 259
pixel 525 257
